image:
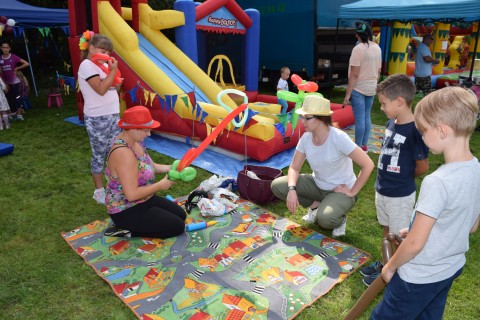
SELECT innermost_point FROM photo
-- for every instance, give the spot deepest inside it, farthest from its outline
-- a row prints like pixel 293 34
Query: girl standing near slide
pixel 98 81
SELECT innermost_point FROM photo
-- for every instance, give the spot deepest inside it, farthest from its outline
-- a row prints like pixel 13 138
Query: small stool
pixel 55 98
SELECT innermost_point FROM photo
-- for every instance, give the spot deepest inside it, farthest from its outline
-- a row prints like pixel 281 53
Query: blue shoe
pixel 368 280
pixel 374 267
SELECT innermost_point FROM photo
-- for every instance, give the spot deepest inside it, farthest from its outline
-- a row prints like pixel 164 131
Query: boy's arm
pixel 411 246
pixel 421 167
pixel 475 226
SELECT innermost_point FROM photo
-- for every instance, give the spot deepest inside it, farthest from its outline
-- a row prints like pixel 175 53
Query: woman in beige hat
pixel 331 190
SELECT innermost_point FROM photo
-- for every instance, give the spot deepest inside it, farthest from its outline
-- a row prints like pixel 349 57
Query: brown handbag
pixel 257 190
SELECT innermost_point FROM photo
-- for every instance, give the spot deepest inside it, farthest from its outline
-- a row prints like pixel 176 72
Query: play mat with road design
pixel 252 264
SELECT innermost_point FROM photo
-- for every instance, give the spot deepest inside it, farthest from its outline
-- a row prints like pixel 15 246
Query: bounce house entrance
pixel 219 73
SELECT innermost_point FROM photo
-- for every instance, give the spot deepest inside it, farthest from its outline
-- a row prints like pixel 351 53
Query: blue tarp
pixel 411 10
pixel 30 16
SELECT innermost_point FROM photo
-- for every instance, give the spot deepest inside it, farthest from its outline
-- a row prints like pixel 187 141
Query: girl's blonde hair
pixel 455 107
pixel 98 41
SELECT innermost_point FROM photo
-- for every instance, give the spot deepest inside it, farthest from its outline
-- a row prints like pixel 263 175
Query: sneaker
pixel 7 126
pixel 113 231
pixel 99 196
pixel 310 216
pixel 364 148
pixel 371 269
pixel 340 231
pixel 20 117
pixel 368 280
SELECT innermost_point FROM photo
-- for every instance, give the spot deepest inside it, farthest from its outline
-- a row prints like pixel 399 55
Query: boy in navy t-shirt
pixel 403 157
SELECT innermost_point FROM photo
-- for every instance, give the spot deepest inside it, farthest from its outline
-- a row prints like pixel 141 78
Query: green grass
pixel 46 188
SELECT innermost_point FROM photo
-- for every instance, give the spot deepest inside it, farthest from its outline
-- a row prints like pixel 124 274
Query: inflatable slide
pixel 148 58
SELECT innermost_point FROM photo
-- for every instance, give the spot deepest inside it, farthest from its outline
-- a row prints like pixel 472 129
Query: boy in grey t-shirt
pixel 448 208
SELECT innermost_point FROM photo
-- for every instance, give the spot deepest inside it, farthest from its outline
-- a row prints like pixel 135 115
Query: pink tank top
pixel 115 198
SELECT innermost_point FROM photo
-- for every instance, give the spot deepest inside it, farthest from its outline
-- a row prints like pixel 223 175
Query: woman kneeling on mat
pixel 130 193
pixel 331 190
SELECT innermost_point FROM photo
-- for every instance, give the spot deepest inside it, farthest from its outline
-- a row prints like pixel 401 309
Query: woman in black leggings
pixel 130 192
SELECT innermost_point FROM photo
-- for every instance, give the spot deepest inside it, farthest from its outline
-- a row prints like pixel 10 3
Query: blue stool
pixel 5 148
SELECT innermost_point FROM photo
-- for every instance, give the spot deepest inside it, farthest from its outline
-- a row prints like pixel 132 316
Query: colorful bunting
pixel 185 101
pixel 133 94
pixel 162 102
pixel 146 95
pixel 280 128
pixel 152 97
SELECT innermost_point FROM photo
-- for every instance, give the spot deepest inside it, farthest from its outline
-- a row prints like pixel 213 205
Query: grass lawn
pixel 46 188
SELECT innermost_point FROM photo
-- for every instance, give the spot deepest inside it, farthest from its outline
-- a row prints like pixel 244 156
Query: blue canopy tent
pixel 414 10
pixel 27 16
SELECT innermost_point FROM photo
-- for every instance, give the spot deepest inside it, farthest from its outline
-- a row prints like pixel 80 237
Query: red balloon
pixel 191 154
pixel 308 86
pixel 3 20
pixel 296 79
pixel 8 30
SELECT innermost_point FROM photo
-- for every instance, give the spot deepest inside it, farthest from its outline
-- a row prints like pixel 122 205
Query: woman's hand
pixel 292 201
pixel 346 101
pixel 344 189
pixel 166 183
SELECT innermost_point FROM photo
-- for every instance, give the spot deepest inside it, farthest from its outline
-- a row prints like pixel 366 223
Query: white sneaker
pixel 20 117
pixel 310 216
pixel 99 195
pixel 340 231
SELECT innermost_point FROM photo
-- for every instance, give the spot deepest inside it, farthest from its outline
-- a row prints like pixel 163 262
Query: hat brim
pixel 155 124
pixel 302 112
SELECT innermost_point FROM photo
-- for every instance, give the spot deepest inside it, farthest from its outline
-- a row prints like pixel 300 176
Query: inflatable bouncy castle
pixel 179 94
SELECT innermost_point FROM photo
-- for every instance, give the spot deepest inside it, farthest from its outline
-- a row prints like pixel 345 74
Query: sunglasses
pixel 307 118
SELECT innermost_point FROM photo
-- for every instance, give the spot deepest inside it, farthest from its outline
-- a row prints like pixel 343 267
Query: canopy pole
pixel 470 79
pixel 30 63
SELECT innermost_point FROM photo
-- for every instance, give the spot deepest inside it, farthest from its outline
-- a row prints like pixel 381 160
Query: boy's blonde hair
pixel 98 41
pixel 397 85
pixel 284 69
pixel 455 107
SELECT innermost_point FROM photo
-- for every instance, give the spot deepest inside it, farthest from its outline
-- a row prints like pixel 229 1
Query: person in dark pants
pixel 130 192
pixel 10 65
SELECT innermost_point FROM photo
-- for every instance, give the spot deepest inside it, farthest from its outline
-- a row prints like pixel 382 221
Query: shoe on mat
pixel 310 216
pixel 341 230
pixel 113 231
pixel 99 196
pixel 369 279
pixel 371 269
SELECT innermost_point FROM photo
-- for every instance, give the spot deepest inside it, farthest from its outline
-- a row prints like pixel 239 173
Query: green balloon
pixel 287 95
pixel 187 174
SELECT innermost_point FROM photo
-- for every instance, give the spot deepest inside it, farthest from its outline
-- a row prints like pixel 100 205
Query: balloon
pixel 191 154
pixel 287 95
pixel 97 58
pixel 10 22
pixel 3 19
pixel 296 79
pixel 224 106
pixel 308 86
pixel 8 29
pixel 2 27
pixel 187 174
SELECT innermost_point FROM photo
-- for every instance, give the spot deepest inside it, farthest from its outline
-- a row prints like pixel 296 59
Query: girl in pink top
pixel 10 64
